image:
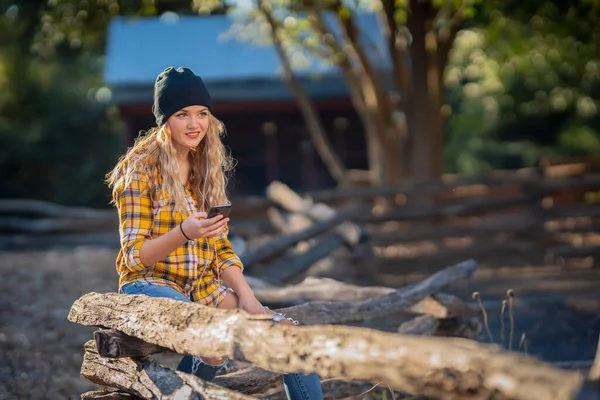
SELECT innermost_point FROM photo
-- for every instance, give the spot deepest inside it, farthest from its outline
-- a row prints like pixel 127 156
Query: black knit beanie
pixel 175 89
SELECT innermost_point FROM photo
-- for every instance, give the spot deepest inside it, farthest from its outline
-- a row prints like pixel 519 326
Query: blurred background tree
pixel 524 82
pixel 519 81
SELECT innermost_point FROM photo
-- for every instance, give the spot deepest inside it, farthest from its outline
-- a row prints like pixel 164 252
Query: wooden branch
pixel 114 344
pixel 313 289
pixel 282 243
pixel 436 367
pixel 323 312
pixel 146 379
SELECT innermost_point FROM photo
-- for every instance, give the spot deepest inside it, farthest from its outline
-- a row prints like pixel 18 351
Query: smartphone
pixel 223 209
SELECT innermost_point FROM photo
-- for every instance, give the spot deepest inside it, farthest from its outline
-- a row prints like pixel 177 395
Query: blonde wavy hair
pixel 211 165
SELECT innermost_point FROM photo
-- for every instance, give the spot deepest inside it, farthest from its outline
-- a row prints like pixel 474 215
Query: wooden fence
pixel 547 215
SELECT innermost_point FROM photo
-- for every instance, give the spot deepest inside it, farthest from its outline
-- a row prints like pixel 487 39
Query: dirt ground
pixel 41 351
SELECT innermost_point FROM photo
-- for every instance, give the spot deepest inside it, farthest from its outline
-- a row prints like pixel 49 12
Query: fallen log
pixel 145 378
pixel 439 305
pixel 437 367
pixel 291 201
pixel 282 243
pixel 289 267
pixel 291 223
pixel 324 312
pixel 311 289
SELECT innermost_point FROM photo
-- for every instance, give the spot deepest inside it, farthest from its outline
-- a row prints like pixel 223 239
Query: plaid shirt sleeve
pixel 226 257
pixel 136 217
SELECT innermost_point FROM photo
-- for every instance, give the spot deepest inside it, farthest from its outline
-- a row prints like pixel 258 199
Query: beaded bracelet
pixel 277 317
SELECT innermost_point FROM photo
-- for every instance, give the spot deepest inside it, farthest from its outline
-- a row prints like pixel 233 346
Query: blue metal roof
pixel 138 49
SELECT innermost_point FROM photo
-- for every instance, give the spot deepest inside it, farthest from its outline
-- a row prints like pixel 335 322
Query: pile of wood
pixel 419 359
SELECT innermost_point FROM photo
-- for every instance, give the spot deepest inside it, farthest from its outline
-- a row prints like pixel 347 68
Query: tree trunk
pixel 427 124
pixel 315 127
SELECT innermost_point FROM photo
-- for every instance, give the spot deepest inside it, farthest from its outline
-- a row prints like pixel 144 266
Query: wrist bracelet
pixel 183 233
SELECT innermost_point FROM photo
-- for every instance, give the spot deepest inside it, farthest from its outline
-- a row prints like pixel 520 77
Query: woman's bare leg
pixel 229 302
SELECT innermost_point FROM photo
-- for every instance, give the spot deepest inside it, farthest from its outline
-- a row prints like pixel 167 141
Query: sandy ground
pixel 40 350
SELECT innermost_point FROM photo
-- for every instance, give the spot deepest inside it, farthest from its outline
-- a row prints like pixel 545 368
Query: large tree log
pixel 146 379
pixel 441 368
pixel 323 312
pixel 439 307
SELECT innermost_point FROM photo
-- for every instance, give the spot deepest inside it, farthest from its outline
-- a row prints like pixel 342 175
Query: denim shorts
pixel 153 290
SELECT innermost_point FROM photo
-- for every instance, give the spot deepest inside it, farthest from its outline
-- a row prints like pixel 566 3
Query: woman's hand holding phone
pixel 197 225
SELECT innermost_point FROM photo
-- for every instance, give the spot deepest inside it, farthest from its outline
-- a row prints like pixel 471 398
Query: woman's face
pixel 188 127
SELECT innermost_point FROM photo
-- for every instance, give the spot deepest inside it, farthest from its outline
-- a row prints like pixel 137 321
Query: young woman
pixel 162 188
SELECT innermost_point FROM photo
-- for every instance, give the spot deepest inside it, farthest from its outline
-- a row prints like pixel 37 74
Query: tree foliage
pixel 479 85
pixel 524 83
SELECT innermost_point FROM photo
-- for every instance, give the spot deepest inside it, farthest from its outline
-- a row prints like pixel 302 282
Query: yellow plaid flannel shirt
pixel 193 268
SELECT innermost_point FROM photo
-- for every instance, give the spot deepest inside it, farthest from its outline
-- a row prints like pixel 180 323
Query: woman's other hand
pixel 250 304
pixel 198 226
